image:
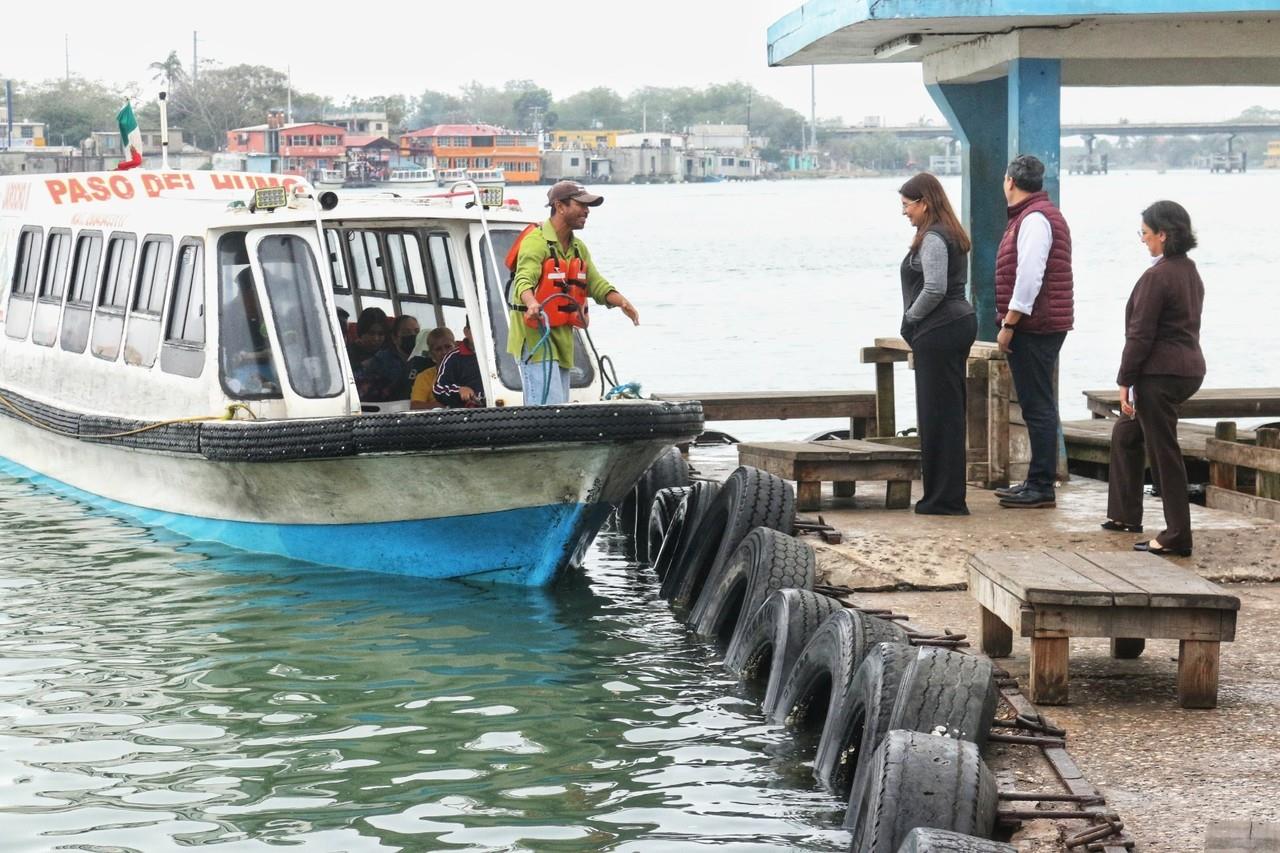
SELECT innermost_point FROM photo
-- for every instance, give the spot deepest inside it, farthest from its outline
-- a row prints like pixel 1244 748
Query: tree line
pixel 217 99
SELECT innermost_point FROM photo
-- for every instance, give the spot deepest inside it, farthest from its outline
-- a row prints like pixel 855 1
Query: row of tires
pixel 899 728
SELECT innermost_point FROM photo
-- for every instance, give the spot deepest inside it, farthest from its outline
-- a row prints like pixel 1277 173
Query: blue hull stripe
pixel 523 546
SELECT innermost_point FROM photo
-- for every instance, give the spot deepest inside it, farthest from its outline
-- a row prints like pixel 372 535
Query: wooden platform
pixel 1205 403
pixel 843 463
pixel 1051 596
pixel 1090 440
pixel 858 406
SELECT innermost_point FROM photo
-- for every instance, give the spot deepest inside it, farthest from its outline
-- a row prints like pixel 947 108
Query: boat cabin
pixel 153 295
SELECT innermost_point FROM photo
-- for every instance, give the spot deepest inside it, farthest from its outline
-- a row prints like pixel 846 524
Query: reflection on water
pixel 156 695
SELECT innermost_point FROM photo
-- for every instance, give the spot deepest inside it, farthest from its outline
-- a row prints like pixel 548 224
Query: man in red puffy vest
pixel 1035 310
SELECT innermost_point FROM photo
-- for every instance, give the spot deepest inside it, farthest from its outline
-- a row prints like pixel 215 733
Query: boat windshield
pixel 292 282
pixel 247 367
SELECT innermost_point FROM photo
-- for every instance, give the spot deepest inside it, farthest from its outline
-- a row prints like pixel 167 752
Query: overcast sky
pixel 373 49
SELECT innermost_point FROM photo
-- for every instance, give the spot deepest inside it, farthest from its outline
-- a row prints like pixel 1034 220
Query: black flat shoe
pixel 1121 526
pixel 1151 546
pixel 1029 499
pixel 1009 491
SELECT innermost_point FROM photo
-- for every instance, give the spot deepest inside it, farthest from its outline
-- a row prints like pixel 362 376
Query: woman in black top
pixel 941 326
pixel 1162 365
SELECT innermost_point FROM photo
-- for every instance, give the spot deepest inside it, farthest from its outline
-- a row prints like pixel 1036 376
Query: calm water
pixel 156 695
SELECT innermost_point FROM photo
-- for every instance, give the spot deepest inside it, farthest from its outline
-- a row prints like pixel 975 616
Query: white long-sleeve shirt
pixel 1035 237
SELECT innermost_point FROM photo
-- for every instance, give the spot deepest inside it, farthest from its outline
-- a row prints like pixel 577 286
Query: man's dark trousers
pixel 1032 359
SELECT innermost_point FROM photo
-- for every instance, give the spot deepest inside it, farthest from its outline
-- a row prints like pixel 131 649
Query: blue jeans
pixel 533 377
pixel 1032 359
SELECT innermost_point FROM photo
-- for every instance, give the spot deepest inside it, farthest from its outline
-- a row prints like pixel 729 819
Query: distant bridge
pixel 1228 128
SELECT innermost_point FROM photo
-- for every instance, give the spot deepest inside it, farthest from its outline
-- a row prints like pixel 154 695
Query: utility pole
pixel 813 108
pixel 288 97
pixel 66 53
pixel 194 64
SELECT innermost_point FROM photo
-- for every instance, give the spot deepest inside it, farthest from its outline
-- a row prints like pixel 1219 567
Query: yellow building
pixel 585 138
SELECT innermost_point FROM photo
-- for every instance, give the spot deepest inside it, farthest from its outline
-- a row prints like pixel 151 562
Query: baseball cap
pixel 566 190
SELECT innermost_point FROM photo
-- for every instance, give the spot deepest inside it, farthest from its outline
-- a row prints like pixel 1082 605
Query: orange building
pixel 293 149
pixel 476 146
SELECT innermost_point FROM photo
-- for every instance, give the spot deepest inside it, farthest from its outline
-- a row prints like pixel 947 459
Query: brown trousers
pixel 1154 433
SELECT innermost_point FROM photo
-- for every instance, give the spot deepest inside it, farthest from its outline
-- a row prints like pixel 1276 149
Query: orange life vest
pixel 562 288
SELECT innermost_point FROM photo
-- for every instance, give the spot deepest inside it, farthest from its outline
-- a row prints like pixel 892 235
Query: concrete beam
pixel 1107 52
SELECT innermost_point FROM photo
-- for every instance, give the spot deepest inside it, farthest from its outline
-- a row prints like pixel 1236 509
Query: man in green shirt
pixel 570 204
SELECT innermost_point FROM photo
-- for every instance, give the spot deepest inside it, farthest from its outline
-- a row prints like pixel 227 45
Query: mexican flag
pixel 130 138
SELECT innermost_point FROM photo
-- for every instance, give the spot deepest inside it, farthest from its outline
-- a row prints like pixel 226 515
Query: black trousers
pixel 1032 359
pixel 940 355
pixel 1154 433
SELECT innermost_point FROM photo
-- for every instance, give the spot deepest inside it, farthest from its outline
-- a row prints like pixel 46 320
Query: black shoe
pixel 1029 498
pixel 1121 526
pixel 1151 546
pixel 1009 491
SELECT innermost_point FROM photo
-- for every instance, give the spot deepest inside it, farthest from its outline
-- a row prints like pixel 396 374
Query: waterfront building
pixel 652 139
pixel 25 134
pixel 475 147
pixel 182 154
pixel 368 123
pixel 1272 160
pixel 566 139
pixel 291 149
pixel 376 151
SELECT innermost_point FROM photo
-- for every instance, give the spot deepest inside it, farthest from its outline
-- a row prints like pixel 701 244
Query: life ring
pixel 766 560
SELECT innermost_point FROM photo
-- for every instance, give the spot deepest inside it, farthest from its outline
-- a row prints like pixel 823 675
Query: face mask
pixel 406 342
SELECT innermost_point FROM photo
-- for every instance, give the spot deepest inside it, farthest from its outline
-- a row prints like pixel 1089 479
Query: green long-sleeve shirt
pixel 534 252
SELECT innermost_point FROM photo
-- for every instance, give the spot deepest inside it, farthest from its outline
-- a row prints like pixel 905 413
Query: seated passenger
pixel 399 353
pixel 439 343
pixel 376 376
pixel 459 383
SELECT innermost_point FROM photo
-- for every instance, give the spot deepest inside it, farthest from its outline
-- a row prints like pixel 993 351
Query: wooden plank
pixel 897 344
pixel 1124 592
pixel 1167 584
pixel 1198 674
pixel 780 405
pixel 882 355
pixel 1221 474
pixel 1150 623
pixel 829 471
pixel 808 495
pixel 1205 403
pixel 1000 601
pixel 1038 578
pixel 999 388
pixel 872 450
pixel 897 494
pixel 1243 455
pixel 1238 502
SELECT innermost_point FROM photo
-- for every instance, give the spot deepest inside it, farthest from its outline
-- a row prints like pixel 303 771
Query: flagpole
pixel 164 130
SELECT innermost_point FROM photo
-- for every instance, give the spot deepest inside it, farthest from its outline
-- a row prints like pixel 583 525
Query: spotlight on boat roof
pixel 269 198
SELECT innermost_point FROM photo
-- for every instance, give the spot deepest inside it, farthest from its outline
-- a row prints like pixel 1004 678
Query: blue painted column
pixel 1035 115
pixel 976 111
pixel 997 120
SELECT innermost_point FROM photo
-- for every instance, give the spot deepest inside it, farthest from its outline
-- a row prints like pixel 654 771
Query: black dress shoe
pixel 1029 499
pixel 1121 526
pixel 1007 491
pixel 1151 546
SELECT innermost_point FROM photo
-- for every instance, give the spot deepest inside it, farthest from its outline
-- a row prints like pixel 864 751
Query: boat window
pixel 22 292
pixel 334 247
pixel 53 284
pixel 79 307
pixel 366 261
pixel 113 296
pixel 583 372
pixel 302 325
pixel 183 350
pixel 142 340
pixel 439 249
pixel 245 361
pixel 405 254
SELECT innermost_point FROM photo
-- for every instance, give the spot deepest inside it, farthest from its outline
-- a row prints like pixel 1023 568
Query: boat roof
pixel 195 201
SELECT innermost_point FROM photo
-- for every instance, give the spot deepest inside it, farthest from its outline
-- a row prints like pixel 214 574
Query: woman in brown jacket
pixel 1161 367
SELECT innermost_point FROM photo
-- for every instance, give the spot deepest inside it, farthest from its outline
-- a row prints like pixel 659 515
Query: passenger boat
pixel 329 179
pixel 449 177
pixel 408 178
pixel 493 177
pixel 171 352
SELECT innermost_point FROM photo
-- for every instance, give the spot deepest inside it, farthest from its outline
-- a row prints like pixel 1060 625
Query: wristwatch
pixel 1008 325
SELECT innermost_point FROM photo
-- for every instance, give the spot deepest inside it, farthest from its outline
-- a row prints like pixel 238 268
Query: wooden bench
pixel 843 463
pixel 858 406
pixel 1051 596
pixel 1205 403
